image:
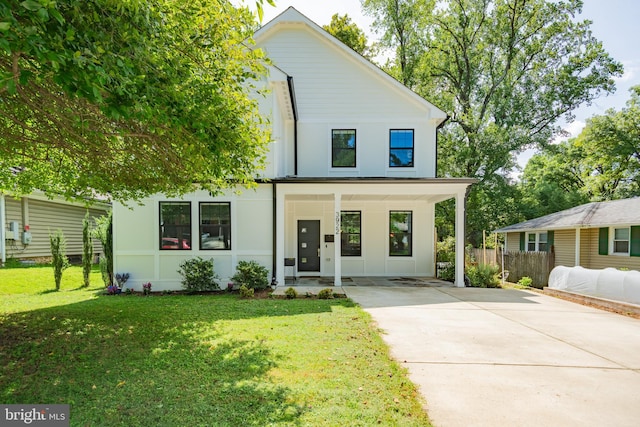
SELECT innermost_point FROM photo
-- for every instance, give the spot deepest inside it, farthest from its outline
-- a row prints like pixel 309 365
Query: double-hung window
pixel 400 233
pixel 401 148
pixel 175 225
pixel 215 225
pixel 537 242
pixel 351 233
pixel 343 148
pixel 621 241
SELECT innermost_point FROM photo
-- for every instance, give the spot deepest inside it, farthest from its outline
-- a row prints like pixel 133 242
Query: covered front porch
pixel 357 228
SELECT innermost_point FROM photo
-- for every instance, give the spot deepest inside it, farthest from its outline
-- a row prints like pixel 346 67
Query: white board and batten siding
pixel 136 238
pixel 333 92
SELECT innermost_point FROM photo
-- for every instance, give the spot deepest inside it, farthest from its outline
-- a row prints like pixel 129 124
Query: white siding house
pixel 349 190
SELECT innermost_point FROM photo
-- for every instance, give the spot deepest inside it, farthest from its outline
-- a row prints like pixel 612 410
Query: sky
pixel 614 23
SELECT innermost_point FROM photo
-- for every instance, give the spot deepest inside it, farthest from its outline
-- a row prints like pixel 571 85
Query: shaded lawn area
pixel 199 360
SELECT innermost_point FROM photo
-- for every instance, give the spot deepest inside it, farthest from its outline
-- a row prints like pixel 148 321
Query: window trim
pixel 359 254
pixel 355 149
pixel 410 233
pixel 537 241
pixel 412 149
pixel 612 241
pixel 214 202
pixel 161 225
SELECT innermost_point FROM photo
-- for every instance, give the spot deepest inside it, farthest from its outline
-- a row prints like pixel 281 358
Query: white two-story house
pixel 350 186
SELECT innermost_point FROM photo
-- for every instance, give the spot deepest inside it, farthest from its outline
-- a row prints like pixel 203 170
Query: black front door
pixel 309 245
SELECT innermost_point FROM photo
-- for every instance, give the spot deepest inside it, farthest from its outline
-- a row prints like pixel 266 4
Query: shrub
pixel 252 275
pixel 291 293
pixel 448 273
pixel 246 292
pixel 59 259
pixel 104 233
pixel 483 276
pixel 326 293
pixel 87 251
pixel 525 281
pixel 446 250
pixel 198 275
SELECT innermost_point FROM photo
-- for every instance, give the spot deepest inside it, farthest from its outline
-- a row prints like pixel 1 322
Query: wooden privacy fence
pixel 536 265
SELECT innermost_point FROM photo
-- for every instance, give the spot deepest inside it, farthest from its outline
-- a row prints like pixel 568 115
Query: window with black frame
pixel 175 226
pixel 350 236
pixel 215 225
pixel 343 148
pixel 400 233
pixel 401 148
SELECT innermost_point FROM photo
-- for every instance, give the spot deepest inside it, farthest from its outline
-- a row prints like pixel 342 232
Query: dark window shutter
pixel 550 236
pixel 522 241
pixel 635 241
pixel 603 241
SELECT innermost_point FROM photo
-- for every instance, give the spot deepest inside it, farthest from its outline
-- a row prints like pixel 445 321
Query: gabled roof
pixel 292 16
pixel 590 215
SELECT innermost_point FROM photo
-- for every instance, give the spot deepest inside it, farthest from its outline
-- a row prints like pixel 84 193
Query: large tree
pixel 602 163
pixel 505 71
pixel 345 30
pixel 127 97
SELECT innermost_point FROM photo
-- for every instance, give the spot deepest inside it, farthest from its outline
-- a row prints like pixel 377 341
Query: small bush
pixel 59 259
pixel 198 275
pixel 483 276
pixel 246 292
pixel 291 293
pixel 87 251
pixel 325 294
pixel 252 275
pixel 448 273
pixel 525 281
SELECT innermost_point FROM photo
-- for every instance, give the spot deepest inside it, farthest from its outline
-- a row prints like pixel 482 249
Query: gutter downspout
pixel 438 133
pixel 292 96
pixel 274 243
pixel 3 242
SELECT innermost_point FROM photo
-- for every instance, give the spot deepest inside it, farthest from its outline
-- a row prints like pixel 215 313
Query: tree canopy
pixel 345 30
pixel 127 97
pixel 504 70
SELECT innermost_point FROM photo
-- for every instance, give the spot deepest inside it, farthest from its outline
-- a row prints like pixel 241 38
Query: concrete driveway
pixel 497 357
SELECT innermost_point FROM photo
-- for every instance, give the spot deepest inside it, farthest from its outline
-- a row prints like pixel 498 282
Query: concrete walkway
pixel 497 357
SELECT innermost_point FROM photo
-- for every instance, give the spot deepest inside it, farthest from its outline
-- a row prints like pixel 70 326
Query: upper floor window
pixel 215 225
pixel 537 242
pixel 400 240
pixel 175 225
pixel 343 148
pixel 401 148
pixel 350 236
pixel 621 241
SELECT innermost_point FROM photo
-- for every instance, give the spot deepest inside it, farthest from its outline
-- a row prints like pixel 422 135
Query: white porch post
pixel 460 239
pixel 337 255
pixel 281 231
pixel 577 251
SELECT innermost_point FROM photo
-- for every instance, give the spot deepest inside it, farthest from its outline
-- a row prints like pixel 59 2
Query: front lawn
pixel 198 360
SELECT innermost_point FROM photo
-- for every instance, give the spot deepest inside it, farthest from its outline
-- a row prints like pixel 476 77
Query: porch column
pixel 459 279
pixel 577 251
pixel 337 246
pixel 279 238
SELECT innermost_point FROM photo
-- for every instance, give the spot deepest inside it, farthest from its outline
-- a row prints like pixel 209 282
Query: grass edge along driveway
pixel 200 360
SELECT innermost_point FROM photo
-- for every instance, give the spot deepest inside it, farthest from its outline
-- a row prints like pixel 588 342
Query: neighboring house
pixel 26 222
pixel 595 235
pixel 349 188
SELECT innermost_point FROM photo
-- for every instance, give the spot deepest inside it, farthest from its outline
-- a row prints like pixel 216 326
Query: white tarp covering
pixel 609 283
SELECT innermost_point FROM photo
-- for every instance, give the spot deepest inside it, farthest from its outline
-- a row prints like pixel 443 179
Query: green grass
pixel 196 360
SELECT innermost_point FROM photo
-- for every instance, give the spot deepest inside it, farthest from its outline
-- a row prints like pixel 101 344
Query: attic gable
pixel 292 19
